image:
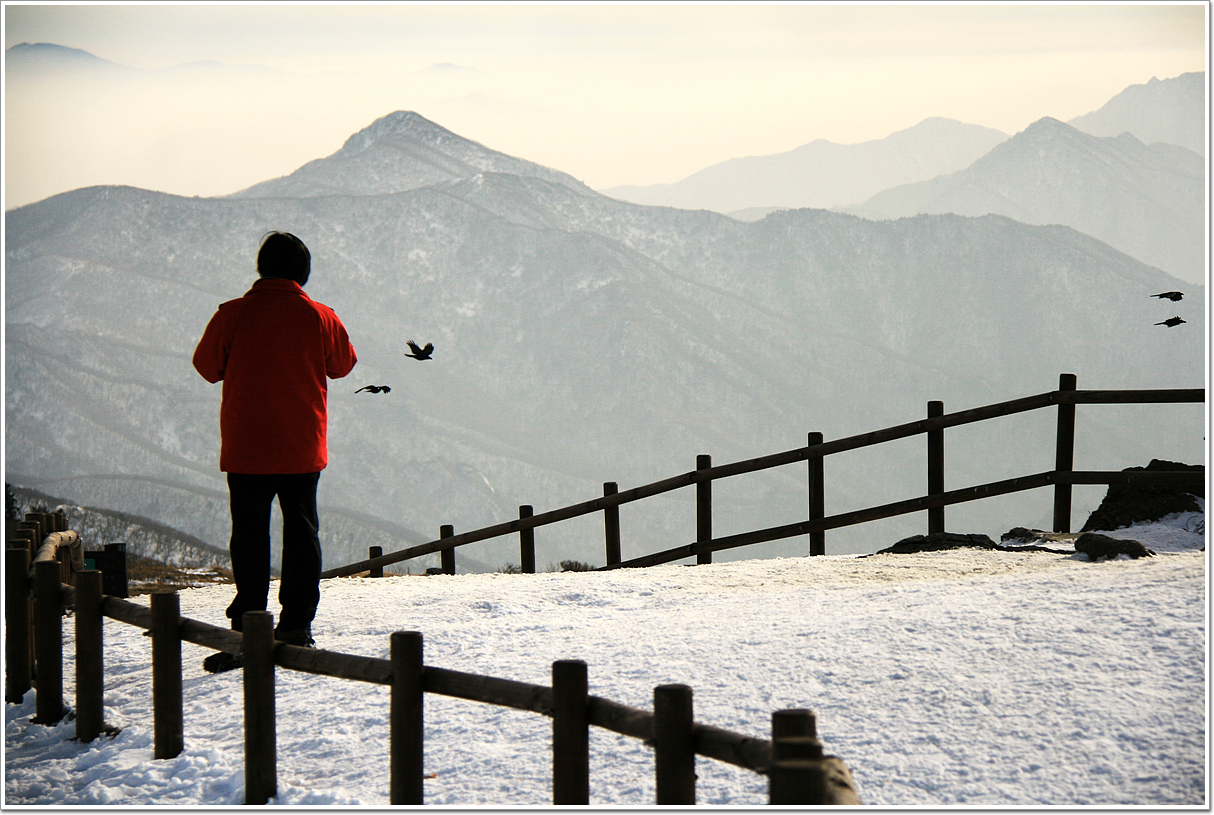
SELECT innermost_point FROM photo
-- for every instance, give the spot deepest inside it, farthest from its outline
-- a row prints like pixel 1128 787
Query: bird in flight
pixel 1171 322
pixel 374 389
pixel 1170 295
pixel 420 353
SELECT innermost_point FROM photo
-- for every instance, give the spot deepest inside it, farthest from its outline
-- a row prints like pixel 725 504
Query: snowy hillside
pixel 964 677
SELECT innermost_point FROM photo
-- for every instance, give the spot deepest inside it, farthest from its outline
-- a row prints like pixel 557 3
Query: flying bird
pixel 420 353
pixel 1170 295
pixel 1171 322
pixel 374 389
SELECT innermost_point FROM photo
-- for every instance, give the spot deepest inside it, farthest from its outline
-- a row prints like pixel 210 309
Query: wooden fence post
pixel 611 524
pixel 703 509
pixel 90 674
pixel 817 497
pixel 447 556
pixel 935 468
pixel 796 774
pixel 167 700
pixel 792 722
pixel 1064 461
pixel 18 667
pixel 33 522
pixel 674 745
pixel 48 642
pixel 406 722
pixel 115 563
pixel 372 553
pixel 260 752
pixel 526 541
pixel 63 557
pixel 23 536
pixel 40 520
pixel 570 733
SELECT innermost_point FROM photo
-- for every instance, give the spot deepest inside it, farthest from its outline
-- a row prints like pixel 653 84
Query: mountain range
pixel 1147 201
pixel 579 339
pixel 822 174
pixel 1152 146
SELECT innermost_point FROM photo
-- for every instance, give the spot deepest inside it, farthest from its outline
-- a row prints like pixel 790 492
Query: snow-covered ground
pixel 962 677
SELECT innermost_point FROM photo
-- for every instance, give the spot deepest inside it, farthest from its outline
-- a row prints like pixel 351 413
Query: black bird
pixel 1170 295
pixel 420 353
pixel 1171 322
pixel 374 389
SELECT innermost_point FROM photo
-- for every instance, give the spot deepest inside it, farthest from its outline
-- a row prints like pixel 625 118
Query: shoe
pixel 222 661
pixel 296 636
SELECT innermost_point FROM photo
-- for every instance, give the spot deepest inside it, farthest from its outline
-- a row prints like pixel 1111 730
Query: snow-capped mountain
pixel 822 174
pixel 579 339
pixel 1145 200
pixel 399 152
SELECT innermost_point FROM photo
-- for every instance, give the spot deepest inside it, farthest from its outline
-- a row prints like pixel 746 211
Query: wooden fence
pixel 1061 478
pixel 798 771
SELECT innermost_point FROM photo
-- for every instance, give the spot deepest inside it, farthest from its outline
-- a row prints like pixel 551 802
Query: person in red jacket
pixel 274 349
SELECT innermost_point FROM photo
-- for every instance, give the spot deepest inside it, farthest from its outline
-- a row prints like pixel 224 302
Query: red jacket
pixel 273 349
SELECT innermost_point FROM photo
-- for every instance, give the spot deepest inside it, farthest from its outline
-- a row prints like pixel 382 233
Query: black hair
pixel 284 255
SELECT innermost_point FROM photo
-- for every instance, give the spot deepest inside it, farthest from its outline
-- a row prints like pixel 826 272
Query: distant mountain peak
pixel 44 48
pixel 1161 110
pixel 401 151
pixel 46 55
pixel 401 122
pixel 1046 129
pixel 1052 132
pixel 1048 123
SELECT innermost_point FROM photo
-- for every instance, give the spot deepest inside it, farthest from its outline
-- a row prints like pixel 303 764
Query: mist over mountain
pixel 579 339
pixel 25 59
pixel 74 120
pixel 822 174
pixel 1147 201
pixel 1168 110
pixel 32 61
pixel 1141 192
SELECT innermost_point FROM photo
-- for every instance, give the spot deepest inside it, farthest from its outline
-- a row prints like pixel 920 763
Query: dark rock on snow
pixel 1127 504
pixel 1123 505
pixel 937 542
pixel 1096 546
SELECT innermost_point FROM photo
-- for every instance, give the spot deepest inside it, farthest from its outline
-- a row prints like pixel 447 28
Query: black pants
pixel 252 497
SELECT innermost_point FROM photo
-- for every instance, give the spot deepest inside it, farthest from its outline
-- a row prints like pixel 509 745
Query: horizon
pixel 614 95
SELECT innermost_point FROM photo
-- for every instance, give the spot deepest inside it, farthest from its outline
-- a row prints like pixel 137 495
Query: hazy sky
pixel 611 93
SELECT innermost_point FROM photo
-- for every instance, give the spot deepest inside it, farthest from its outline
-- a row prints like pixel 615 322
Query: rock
pixel 1096 546
pixel 1020 533
pixel 1128 504
pixel 938 541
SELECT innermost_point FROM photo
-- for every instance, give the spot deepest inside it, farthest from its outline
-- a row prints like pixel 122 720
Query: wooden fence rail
pixel 815 452
pixel 796 776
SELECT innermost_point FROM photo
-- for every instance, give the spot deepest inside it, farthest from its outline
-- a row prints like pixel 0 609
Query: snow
pixel 962 677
